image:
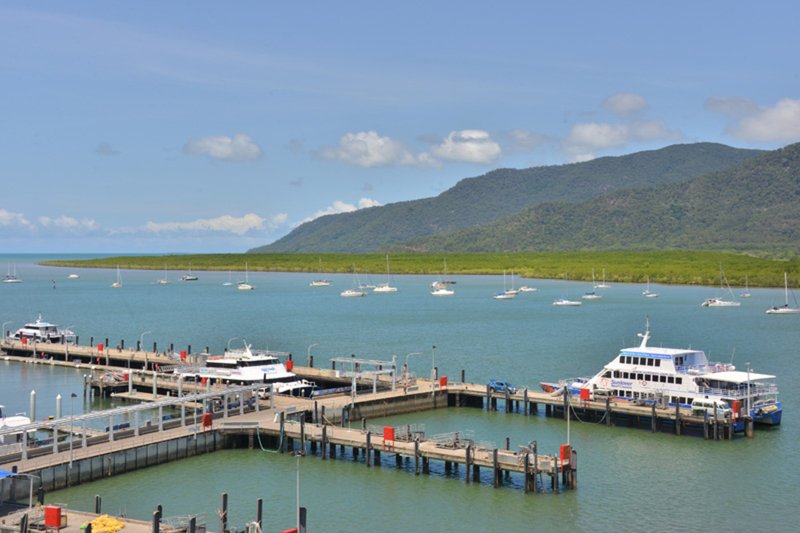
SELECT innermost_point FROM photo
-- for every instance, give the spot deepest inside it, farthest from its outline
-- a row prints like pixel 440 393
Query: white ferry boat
pixel 248 367
pixel 40 331
pixel 674 376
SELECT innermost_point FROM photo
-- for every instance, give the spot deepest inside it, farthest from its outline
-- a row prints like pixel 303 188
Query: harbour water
pixel 629 479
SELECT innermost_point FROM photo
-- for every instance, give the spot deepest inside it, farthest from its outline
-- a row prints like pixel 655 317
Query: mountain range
pixel 700 196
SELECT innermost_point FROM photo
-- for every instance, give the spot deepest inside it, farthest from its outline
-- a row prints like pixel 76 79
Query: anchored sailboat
pixel 785 310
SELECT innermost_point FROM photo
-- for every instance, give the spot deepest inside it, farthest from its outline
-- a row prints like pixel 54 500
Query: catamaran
pixel 246 366
pixel 785 310
pixel 41 331
pixel 684 377
pixel 11 277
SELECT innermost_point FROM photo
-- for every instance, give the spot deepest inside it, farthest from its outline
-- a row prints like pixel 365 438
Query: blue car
pixel 498 385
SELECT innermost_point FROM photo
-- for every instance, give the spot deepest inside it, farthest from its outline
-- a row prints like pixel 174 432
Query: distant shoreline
pixel 663 267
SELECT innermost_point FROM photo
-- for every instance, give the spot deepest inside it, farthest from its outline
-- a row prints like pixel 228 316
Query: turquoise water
pixel 629 479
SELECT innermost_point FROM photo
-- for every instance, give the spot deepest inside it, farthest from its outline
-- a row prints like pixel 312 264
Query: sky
pixel 177 127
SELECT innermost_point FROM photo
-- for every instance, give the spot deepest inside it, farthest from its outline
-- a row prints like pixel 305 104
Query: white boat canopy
pixel 737 376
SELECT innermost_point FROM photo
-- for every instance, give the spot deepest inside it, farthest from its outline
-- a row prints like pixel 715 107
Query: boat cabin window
pixel 663 379
pixel 607 374
pixel 670 379
pixel 679 361
pixel 658 362
pixel 616 373
pixel 678 381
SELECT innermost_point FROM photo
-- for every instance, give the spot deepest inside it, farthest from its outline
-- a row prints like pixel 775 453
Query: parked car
pixel 499 385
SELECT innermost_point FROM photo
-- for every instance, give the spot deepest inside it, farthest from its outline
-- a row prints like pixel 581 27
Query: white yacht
pixel 74 276
pixel 746 293
pixel 189 276
pixel 684 377
pixel 719 301
pixel 164 280
pixel 357 291
pixel 321 282
pixel 41 331
pixel 117 284
pixel 385 287
pixel 592 295
pixel 785 309
pixel 525 288
pixel 647 293
pixel 602 285
pixel 245 366
pixel 245 285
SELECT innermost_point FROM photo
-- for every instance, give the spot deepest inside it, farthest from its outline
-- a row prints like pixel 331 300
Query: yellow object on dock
pixel 106 524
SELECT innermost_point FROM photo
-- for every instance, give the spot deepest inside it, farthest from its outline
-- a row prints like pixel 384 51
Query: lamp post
pixel 4 327
pixel 229 343
pixel 433 363
pixel 298 490
pixel 141 344
pixel 71 424
pixel 407 355
pixel 308 352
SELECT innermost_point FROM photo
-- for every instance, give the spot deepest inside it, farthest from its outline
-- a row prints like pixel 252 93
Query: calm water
pixel 629 479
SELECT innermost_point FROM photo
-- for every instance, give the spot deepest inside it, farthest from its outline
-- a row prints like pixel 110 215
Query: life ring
pixel 643 383
pixel 604 382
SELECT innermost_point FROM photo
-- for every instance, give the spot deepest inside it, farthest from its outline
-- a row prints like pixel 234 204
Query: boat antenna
pixel 646 335
pixel 732 354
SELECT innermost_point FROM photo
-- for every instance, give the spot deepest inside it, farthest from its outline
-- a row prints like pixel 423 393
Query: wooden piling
pixel 496 468
pixel 416 457
pixel 324 442
pixel 527 482
pixel 260 513
pixel 223 515
pixel 677 419
pixel 302 436
pixel 508 401
pixel 653 419
pixel 527 407
pixel 467 461
pixel 368 458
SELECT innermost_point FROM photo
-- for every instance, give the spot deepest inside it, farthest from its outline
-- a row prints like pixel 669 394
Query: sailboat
pixel 164 280
pixel 245 285
pixel 746 293
pixel 385 287
pixel 356 291
pixel 507 294
pixel 785 310
pixel 439 288
pixel 11 278
pixel 117 284
pixel 189 276
pixel 603 285
pixel 719 301
pixel 322 282
pixel 228 283
pixel 566 302
pixel 647 293
pixel 592 295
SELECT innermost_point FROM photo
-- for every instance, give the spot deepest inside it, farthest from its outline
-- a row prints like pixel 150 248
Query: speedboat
pixel 719 302
pixel 505 295
pixel 352 293
pixel 8 422
pixel 592 295
pixel 384 287
pixel 41 331
pixel 320 283
pixel 248 367
pixel 73 276
pixel 682 377
pixel 525 288
pixel 566 302
pixel 442 291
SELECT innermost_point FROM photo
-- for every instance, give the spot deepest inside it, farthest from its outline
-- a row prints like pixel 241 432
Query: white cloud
pixel 68 223
pixel 240 147
pixel 10 218
pixel 585 139
pixel 339 206
pixel 521 141
pixel 625 104
pixel 225 223
pixel 780 123
pixel 470 146
pixel 369 149
pixel 731 105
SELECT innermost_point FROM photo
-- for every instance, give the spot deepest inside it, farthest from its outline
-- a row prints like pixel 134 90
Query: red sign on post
pixel 99 346
pixel 183 355
pixel 388 437
pixel 443 382
pixel 24 341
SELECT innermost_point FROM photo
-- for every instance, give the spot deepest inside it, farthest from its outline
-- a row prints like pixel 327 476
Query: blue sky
pixel 218 126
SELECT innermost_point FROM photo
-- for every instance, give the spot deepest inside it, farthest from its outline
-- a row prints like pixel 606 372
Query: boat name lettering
pixel 646 354
pixel 621 384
